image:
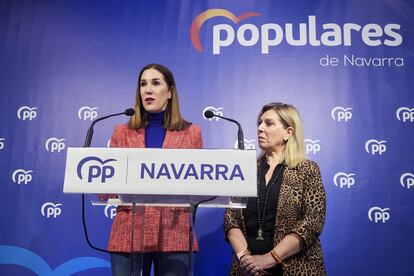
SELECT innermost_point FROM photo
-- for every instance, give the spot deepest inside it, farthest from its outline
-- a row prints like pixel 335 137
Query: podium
pixel 164 178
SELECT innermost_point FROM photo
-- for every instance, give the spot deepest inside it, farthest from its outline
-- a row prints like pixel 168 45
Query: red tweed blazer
pixel 165 229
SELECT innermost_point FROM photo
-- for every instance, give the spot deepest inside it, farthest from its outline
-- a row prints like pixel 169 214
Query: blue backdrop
pixel 346 65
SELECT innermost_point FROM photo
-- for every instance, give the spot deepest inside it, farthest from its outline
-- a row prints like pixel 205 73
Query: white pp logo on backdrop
pixel 342 179
pixel 377 214
pixel 54 144
pixel 110 211
pixel 405 114
pixel 216 110
pixel 2 143
pixel 20 176
pixel 26 113
pixel 339 113
pixel 407 180
pixel 312 146
pixel 248 144
pixel 87 113
pixel 49 209
pixel 375 146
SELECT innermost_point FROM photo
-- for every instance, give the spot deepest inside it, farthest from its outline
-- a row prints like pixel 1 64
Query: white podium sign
pixel 161 171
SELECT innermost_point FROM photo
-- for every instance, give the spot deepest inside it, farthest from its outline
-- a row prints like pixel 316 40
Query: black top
pixel 251 214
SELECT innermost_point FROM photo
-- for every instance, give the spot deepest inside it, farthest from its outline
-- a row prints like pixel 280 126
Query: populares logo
pixel 2 143
pixel 216 110
pixel 342 180
pixel 87 113
pixel 407 180
pixel 95 169
pixel 405 114
pixel 339 113
pixel 377 214
pixel 110 211
pixel 20 176
pixel 374 146
pixel 54 144
pixel 248 144
pixel 272 34
pixel 50 209
pixel 312 146
pixel 26 113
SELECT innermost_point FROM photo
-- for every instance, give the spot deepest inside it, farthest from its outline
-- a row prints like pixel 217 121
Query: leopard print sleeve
pixel 232 219
pixel 314 204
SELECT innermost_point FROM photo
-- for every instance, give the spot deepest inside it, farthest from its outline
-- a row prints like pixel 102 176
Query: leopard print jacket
pixel 301 208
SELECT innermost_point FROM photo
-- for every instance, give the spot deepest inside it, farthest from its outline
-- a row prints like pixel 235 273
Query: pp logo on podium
pixel 96 169
pixel 377 214
pixel 49 209
pixel 342 180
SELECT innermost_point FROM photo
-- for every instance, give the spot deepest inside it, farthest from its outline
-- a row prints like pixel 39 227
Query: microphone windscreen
pixel 209 114
pixel 129 112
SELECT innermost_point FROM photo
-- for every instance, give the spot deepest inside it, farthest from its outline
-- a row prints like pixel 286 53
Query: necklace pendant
pixel 259 235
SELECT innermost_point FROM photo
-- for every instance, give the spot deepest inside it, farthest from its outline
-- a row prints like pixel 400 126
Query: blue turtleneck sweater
pixel 154 131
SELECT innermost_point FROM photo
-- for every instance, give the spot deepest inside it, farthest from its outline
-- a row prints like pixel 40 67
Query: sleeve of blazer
pixel 232 219
pixel 314 205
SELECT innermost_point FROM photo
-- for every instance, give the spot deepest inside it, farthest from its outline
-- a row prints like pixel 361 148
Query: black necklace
pixel 261 215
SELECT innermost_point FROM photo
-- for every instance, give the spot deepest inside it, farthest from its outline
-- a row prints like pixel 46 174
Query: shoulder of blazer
pixel 124 128
pixel 305 165
pixel 193 129
pixel 186 138
pixel 303 168
pixel 121 128
pixel 123 133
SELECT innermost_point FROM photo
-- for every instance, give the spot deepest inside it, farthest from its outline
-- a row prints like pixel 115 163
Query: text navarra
pixel 191 171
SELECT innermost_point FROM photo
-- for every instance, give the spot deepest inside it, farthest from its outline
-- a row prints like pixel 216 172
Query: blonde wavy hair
pixel 294 150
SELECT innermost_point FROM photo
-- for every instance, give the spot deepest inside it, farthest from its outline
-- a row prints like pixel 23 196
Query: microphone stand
pixel 87 144
pixel 194 206
pixel 240 142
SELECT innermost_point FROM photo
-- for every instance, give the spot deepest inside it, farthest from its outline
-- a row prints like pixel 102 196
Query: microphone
pixel 87 144
pixel 240 140
pixel 89 134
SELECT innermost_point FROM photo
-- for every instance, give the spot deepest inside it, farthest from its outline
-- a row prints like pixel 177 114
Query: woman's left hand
pixel 256 264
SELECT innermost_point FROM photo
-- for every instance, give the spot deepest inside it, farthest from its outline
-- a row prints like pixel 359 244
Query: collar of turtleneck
pixel 155 131
pixel 156 119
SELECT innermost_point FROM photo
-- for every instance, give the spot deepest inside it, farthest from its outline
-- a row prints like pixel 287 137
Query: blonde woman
pixel 278 232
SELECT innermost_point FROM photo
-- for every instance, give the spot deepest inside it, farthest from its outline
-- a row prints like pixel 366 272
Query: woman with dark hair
pixel 157 123
pixel 278 232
